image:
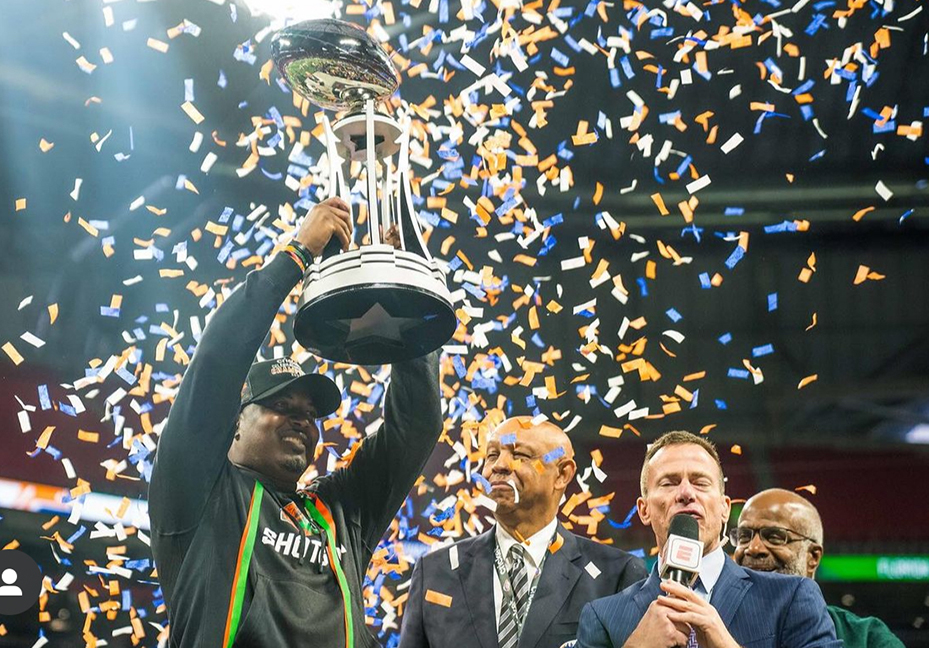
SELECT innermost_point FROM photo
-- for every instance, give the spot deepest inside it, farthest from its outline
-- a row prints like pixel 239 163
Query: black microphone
pixel 683 551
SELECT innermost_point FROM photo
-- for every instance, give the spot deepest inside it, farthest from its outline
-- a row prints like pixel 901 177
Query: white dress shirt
pixel 711 566
pixel 534 555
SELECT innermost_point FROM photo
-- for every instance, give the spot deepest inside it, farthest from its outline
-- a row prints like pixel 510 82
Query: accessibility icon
pixel 20 582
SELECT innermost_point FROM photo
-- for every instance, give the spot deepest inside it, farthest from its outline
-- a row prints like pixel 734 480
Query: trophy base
pixel 375 305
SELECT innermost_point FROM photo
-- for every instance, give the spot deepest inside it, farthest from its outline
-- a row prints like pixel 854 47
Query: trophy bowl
pixel 334 64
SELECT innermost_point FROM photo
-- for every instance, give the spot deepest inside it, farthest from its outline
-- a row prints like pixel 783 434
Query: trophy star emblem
pixel 378 323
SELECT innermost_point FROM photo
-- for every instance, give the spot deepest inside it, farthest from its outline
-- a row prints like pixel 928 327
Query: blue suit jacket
pixel 760 610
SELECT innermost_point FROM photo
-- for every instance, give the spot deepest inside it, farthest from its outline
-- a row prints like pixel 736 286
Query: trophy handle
pixel 411 237
pixel 337 187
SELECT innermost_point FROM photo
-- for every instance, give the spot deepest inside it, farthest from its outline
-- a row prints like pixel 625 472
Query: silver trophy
pixel 376 304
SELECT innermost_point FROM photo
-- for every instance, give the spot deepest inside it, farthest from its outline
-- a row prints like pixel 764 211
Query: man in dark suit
pixel 729 606
pixel 523 582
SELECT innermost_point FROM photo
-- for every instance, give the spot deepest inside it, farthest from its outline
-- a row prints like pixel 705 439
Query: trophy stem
pixel 374 227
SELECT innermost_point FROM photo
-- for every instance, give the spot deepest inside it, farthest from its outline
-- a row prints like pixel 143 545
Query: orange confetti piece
pixel 20 204
pixel 861 213
pixel 90 229
pixel 157 45
pixel 191 111
pixel 659 202
pixel 45 146
pixel 812 324
pixel 89 437
pixel 11 351
pixel 610 432
pixel 810 488
pixel 736 449
pixel 598 194
pixel 806 381
pixel 707 428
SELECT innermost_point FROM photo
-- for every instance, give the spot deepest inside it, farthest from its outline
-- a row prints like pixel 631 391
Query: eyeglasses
pixel 771 536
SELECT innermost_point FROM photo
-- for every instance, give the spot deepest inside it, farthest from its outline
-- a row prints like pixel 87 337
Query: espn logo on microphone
pixel 684 553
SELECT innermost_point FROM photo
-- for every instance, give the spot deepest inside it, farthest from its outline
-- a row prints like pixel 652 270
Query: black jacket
pixel 469 621
pixel 199 501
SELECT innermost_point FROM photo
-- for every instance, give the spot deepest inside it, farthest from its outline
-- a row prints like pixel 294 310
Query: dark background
pixel 845 433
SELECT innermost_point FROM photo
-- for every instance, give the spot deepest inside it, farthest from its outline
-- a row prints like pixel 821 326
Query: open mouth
pixel 295 440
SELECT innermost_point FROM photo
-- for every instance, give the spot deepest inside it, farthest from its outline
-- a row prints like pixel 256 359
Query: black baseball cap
pixel 269 377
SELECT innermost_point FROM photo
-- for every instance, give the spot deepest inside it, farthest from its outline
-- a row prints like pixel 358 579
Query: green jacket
pixel 858 632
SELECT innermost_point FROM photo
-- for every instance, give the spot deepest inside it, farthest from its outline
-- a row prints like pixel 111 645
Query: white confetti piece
pixel 32 339
pixel 731 143
pixel 883 191
pixel 592 569
pixel 473 65
pixel 700 183
pixel 24 423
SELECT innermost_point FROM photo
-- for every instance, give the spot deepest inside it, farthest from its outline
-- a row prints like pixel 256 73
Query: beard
pixel 295 464
pixel 793 567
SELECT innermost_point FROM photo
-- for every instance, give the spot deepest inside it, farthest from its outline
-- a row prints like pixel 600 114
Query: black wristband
pixel 303 251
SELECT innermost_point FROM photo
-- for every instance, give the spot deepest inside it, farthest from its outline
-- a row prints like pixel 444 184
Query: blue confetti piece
pixel 625 524
pixel 81 530
pixel 721 404
pixel 508 439
pixel 615 81
pixel 627 67
pixel 673 315
pixel 764 350
pixel 738 373
pixel 557 453
pixel 643 286
pixel 734 211
pixel 485 485
pixel 772 302
pixel 126 375
pixel 44 401
pixel 705 281
pixel 906 215
pixel 460 368
pixel 725 338
pixel 737 255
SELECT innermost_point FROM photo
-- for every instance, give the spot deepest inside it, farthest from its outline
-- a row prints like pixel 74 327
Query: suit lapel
pixel 560 573
pixel 729 591
pixel 476 572
pixel 649 591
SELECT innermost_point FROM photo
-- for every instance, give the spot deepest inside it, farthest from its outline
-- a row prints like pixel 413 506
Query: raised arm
pixel 389 461
pixel 193 446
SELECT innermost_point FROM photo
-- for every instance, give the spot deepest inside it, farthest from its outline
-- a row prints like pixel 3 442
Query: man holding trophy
pixel 246 555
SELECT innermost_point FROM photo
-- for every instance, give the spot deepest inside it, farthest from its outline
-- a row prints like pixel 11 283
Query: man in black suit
pixel 523 582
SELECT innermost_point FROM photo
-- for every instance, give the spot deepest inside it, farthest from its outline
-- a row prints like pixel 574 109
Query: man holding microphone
pixel 728 606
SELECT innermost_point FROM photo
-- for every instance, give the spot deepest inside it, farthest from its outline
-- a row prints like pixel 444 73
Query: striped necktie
pixel 701 591
pixel 510 624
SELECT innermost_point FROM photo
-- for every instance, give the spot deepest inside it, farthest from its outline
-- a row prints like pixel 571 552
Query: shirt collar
pixel 535 545
pixel 711 567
